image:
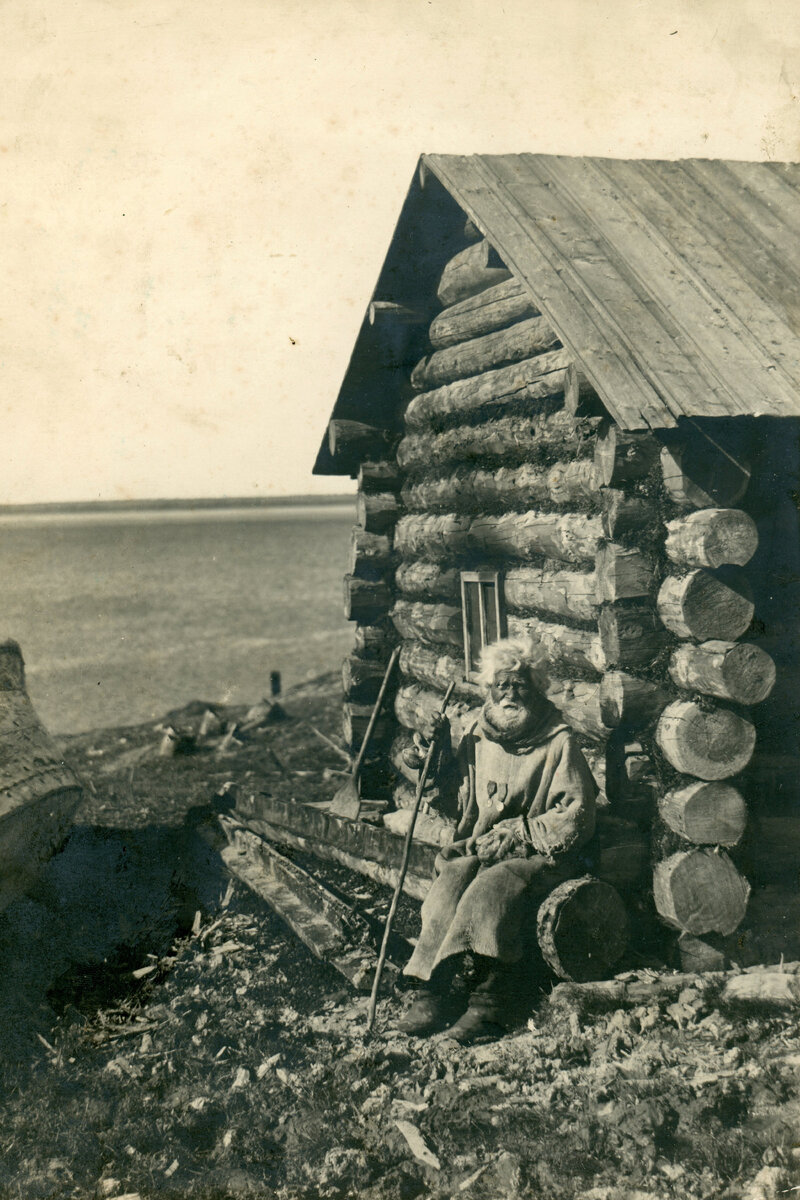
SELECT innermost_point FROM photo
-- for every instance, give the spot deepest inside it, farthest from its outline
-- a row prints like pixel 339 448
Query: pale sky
pixel 197 197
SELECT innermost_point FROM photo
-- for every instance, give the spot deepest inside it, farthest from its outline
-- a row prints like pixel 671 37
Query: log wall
pixel 684 728
pixel 622 558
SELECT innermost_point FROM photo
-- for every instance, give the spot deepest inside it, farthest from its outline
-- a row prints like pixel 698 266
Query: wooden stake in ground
pixel 423 776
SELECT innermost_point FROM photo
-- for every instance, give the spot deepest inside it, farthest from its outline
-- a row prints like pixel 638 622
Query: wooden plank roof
pixel 674 285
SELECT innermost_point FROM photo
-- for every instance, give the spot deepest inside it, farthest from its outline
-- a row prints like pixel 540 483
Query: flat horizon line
pixel 201 502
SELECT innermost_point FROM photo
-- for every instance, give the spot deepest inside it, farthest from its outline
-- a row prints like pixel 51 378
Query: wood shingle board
pixel 731 350
pixel 765 292
pixel 515 207
pixel 680 337
pixel 757 229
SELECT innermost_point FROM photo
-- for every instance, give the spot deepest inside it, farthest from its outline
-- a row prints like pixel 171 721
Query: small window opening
pixel 482 615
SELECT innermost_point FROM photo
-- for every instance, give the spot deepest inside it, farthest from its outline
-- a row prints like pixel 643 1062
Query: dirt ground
pixel 165 1035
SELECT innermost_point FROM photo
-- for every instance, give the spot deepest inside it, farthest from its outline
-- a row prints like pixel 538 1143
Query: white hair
pixel 513 654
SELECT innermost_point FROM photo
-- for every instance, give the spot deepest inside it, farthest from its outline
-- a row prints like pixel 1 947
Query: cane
pixel 373 1000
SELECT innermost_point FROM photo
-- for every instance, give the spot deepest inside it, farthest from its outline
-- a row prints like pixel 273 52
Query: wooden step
pixel 331 929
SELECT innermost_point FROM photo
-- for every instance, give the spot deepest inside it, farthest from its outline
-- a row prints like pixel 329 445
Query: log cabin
pixel 572 413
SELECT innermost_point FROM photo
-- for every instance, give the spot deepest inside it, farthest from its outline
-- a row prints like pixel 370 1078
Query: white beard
pixel 509 717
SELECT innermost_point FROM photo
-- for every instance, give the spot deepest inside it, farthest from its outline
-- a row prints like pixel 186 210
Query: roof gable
pixel 675 286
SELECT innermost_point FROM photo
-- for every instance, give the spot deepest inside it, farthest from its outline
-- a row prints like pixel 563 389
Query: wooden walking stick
pixel 347 801
pixel 373 1000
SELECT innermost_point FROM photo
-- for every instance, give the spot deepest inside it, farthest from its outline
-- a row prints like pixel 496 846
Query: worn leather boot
pixel 484 1015
pixel 473 1026
pixel 437 1003
pixel 428 1014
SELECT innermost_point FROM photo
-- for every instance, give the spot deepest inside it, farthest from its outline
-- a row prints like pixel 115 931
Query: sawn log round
pixel 582 929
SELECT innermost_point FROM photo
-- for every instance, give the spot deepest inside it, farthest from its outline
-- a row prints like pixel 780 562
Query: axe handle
pixel 374 715
pixel 373 1000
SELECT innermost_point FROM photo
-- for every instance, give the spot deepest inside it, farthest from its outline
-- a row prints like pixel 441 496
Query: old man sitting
pixel 526 807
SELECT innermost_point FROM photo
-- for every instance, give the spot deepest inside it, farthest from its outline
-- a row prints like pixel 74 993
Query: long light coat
pixel 490 909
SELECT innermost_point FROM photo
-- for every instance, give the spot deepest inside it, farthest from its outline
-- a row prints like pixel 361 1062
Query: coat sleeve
pixel 464 777
pixel 569 811
pixel 442 787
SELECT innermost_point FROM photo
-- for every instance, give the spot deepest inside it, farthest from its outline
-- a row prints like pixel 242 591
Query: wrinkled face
pixel 513 689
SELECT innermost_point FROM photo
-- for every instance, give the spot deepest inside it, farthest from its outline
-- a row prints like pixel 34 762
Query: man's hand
pixel 539 836
pixel 493 846
pixel 435 727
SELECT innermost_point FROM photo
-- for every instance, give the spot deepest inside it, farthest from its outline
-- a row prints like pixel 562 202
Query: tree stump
pixel 700 891
pixel 582 929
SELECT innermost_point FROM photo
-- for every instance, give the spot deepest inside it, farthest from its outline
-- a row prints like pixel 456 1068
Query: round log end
pixel 699 475
pixel 712 537
pixel 582 929
pixel 735 671
pixel 703 605
pixel 705 813
pixel 749 673
pixel 733 538
pixel 710 743
pixel 700 891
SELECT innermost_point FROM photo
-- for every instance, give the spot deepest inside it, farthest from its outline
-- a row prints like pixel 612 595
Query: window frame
pixel 480 577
